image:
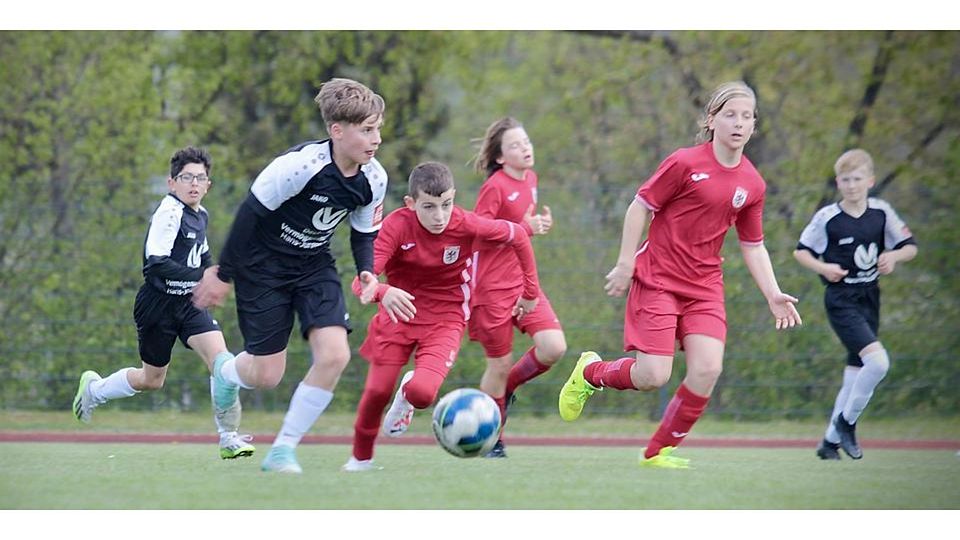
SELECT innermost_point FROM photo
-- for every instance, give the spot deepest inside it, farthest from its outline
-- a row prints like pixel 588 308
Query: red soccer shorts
pixel 436 345
pixel 656 319
pixel 492 324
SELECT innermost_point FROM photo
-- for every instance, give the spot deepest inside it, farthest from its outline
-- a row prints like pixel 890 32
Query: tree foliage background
pixel 88 121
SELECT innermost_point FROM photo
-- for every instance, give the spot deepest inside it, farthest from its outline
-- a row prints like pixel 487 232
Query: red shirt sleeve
pixel 500 231
pixel 489 200
pixel 750 222
pixel 664 185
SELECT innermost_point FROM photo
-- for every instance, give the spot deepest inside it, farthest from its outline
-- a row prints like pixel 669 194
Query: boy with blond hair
pixel 850 244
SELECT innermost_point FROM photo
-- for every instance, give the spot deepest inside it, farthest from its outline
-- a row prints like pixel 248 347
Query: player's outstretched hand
pixel 618 280
pixel 524 306
pixel 398 304
pixel 784 309
pixel 368 287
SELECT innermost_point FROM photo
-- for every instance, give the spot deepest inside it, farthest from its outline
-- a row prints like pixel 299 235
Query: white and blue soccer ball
pixel 466 422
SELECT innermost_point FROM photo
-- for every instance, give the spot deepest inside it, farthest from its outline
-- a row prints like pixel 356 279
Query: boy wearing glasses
pixel 175 255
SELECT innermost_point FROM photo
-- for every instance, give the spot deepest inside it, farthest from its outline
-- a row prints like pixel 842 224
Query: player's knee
pixel 709 373
pixel 552 351
pixel 420 394
pixel 877 361
pixel 337 360
pixel 500 365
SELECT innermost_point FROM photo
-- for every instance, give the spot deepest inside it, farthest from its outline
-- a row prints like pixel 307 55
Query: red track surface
pixel 705 442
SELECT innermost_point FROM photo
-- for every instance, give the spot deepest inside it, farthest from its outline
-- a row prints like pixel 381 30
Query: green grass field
pixel 191 476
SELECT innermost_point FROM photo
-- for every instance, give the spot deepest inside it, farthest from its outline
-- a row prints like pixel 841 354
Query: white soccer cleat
pixel 83 401
pixel 360 465
pixel 400 414
pixel 233 445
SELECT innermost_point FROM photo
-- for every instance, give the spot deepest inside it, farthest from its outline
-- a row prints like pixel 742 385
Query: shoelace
pixel 239 440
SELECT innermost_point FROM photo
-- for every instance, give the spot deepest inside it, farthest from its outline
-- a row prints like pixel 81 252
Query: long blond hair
pixel 724 93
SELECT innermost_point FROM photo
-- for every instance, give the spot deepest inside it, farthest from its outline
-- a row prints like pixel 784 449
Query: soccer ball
pixel 466 422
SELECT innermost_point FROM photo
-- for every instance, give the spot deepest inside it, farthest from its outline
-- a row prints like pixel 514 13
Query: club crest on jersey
pixel 451 254
pixel 739 197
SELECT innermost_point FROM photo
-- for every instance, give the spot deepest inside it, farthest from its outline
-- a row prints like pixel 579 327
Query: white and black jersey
pixel 175 251
pixel 855 243
pixel 296 203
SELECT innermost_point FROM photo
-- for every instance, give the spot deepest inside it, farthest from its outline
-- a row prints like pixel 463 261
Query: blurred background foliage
pixel 88 121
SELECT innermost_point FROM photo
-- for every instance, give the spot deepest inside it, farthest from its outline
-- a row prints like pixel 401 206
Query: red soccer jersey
pixel 498 273
pixel 436 268
pixel 695 200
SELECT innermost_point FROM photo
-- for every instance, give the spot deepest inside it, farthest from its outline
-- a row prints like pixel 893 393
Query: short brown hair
pixel 346 100
pixel 853 159
pixel 432 178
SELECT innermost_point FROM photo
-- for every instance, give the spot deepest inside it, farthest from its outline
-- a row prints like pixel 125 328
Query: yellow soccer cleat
pixel 576 390
pixel 664 459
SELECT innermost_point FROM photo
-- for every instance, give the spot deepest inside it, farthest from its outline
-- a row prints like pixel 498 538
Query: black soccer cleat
pixel 498 450
pixel 848 437
pixel 828 450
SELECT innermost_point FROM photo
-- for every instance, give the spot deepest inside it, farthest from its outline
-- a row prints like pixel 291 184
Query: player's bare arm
pixel 782 305
pixel 634 224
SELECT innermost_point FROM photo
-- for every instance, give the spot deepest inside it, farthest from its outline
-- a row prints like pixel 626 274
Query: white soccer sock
pixel 115 386
pixel 306 405
pixel 849 376
pixel 229 372
pixel 875 367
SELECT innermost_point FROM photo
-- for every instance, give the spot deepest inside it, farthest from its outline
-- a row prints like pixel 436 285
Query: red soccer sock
pixel 502 404
pixel 683 411
pixel 377 393
pixel 528 367
pixel 615 374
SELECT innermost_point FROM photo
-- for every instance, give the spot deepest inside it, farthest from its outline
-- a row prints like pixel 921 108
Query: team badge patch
pixel 451 254
pixel 739 197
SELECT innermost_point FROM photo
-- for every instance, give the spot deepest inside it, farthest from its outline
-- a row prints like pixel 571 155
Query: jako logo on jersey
pixel 451 254
pixel 319 198
pixel 696 177
pixel 193 258
pixel 513 196
pixel 845 241
pixel 865 257
pixel 327 218
pixel 739 197
pixel 405 247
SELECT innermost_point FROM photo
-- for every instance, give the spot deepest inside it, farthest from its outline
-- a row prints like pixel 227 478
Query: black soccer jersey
pixel 855 243
pixel 175 251
pixel 308 197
